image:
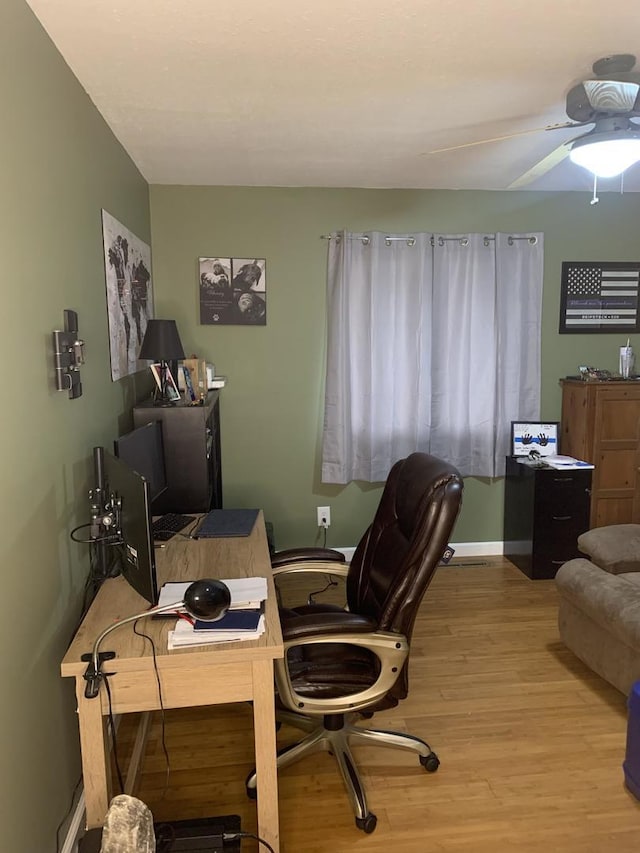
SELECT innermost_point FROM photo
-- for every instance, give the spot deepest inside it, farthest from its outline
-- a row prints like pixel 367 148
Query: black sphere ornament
pixel 207 599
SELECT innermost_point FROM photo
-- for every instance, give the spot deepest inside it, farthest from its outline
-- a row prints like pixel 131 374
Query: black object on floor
pixel 201 835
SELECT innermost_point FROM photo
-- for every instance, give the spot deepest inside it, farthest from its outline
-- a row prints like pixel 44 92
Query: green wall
pixel 59 165
pixel 272 407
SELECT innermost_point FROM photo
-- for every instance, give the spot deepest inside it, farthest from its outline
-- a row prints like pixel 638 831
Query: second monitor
pixel 142 449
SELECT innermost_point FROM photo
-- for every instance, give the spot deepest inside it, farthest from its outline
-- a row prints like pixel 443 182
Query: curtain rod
pixel 410 241
pixel 389 239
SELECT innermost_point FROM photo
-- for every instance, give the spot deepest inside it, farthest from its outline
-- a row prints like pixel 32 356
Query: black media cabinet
pixel 191 436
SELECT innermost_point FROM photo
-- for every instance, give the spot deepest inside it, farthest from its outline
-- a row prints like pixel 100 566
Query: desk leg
pixel 264 722
pixel 96 767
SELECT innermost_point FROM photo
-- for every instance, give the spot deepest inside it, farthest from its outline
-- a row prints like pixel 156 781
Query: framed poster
pixel 599 296
pixel 233 291
pixel 540 437
pixel 127 265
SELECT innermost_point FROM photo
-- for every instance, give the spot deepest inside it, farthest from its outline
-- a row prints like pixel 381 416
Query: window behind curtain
pixel 433 345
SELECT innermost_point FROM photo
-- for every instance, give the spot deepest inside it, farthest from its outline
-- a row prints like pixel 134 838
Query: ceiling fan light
pixel 607 158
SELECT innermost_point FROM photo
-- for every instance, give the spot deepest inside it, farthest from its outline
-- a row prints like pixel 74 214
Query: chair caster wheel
pixel 430 762
pixel 252 790
pixel 368 823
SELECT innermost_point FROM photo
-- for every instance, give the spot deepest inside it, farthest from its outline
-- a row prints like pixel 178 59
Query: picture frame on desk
pixel 528 436
pixel 172 389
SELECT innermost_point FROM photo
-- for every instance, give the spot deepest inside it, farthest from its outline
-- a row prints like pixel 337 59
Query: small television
pixel 128 501
pixel 143 450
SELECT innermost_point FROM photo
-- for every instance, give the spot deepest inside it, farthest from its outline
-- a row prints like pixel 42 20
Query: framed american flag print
pixel 599 296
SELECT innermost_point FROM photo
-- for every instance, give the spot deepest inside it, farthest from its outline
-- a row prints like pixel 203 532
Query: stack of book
pixel 243 621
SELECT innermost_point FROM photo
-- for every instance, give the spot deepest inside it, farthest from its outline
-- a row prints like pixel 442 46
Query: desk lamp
pixel 162 343
pixel 207 600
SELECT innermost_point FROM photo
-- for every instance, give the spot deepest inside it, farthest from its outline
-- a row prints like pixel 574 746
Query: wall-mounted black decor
pixel 599 296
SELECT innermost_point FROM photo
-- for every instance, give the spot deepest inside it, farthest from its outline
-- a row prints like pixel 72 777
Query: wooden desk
pixel 204 675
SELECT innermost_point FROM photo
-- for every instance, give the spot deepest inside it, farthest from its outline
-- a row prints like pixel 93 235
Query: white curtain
pixel 433 345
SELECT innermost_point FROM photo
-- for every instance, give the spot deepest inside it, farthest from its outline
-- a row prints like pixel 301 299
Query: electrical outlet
pixel 324 516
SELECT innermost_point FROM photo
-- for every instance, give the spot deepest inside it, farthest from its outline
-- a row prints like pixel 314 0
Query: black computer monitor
pixel 127 498
pixel 142 449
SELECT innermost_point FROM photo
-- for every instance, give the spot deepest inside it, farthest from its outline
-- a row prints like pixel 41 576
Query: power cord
pixel 163 741
pixel 111 539
pixel 329 580
pixel 232 836
pixel 329 583
pixel 166 836
pixel 112 723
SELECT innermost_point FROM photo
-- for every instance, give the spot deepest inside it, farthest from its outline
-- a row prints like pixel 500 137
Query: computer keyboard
pixel 168 525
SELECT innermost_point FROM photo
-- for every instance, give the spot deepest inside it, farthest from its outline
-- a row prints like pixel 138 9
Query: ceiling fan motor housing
pixel 614 91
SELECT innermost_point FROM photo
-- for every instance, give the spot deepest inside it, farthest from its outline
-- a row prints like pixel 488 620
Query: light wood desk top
pixel 179 560
pixel 198 675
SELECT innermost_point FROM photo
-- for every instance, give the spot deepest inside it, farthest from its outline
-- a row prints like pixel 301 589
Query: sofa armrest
pixel 612 601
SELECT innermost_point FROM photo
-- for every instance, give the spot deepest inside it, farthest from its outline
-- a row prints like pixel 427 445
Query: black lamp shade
pixel 161 341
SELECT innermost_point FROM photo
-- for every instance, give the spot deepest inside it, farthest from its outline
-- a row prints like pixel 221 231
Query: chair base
pixel 334 734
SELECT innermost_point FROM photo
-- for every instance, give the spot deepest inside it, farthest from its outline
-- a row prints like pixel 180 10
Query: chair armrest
pixel 392 650
pixel 316 625
pixel 321 567
pixel 301 555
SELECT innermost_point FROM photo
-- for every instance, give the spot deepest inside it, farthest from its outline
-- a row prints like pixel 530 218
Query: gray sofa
pixel 599 604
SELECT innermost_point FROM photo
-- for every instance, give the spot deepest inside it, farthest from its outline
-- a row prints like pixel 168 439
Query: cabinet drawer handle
pixel 563 479
pixel 558 562
pixel 561 517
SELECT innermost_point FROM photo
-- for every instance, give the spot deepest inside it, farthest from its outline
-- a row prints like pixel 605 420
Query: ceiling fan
pixel 609 100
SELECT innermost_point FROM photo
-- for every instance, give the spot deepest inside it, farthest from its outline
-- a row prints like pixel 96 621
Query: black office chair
pixel 343 665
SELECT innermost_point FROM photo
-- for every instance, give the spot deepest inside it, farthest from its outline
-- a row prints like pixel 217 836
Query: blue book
pixel 234 620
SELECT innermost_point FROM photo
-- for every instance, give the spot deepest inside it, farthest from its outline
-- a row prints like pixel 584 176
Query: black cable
pixel 330 582
pixel 105 678
pixel 95 579
pixel 111 539
pixel 162 713
pixel 231 836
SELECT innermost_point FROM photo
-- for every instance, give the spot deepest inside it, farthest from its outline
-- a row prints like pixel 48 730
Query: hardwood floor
pixel 531 742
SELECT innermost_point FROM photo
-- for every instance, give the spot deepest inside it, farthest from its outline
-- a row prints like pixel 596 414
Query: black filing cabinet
pixel 545 510
pixel 191 437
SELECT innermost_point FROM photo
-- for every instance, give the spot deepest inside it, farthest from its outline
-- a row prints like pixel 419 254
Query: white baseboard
pixel 76 825
pixel 462 549
pixel 75 829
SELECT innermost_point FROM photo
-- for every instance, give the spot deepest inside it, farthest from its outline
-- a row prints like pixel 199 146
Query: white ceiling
pixel 340 93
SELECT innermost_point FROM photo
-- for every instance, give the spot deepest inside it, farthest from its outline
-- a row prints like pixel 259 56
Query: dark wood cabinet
pixel 601 424
pixel 191 436
pixel 545 510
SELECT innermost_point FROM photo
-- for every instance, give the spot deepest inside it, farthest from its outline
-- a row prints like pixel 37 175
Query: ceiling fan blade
pixel 541 168
pixel 507 136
